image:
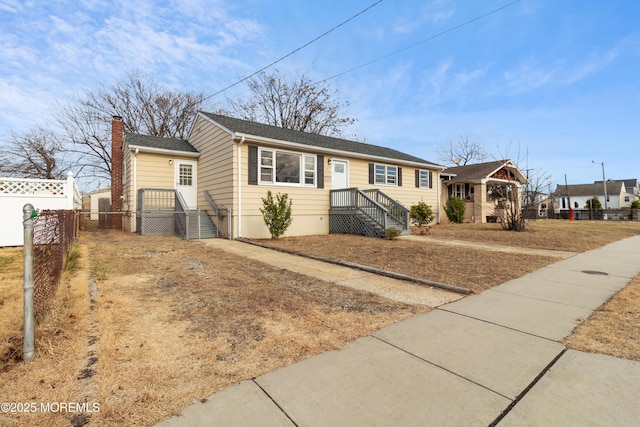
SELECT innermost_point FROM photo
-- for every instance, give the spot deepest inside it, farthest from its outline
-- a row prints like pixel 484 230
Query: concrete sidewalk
pixel 491 358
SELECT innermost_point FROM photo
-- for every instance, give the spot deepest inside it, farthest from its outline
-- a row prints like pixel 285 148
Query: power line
pixel 294 51
pixel 440 34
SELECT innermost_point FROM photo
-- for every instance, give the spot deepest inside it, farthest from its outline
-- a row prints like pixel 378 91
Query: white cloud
pixel 11 6
pixel 528 75
pixel 432 13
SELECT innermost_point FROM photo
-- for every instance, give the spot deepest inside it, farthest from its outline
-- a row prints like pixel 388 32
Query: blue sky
pixel 552 83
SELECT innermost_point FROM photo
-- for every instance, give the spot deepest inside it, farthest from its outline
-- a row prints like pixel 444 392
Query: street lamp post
pixel 604 183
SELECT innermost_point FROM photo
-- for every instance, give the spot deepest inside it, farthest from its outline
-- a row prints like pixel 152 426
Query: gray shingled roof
pixel 158 142
pixel 629 184
pixel 314 140
pixel 588 189
pixel 474 171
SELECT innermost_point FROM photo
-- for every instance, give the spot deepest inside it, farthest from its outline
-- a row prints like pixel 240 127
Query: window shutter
pixel 430 179
pixel 399 177
pixel 417 178
pixel 320 172
pixel 371 173
pixel 466 190
pixel 253 165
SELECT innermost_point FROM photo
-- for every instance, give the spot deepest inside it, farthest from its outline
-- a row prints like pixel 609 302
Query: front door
pixel 185 178
pixel 340 180
pixel 339 174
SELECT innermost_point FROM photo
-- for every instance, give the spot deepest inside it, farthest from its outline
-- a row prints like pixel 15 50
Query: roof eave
pixel 281 143
pixel 145 149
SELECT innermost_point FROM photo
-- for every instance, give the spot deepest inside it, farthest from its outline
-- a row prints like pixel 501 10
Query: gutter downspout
pixel 439 189
pixel 440 183
pixel 239 214
pixel 135 186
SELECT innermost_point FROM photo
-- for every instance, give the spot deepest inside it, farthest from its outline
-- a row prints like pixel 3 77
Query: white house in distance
pixel 631 185
pixel 617 195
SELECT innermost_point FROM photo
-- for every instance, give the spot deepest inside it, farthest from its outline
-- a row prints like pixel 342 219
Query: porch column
pixel 479 202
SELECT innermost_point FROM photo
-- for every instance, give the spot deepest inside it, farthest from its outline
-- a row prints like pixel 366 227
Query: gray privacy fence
pixel 624 214
pixel 48 236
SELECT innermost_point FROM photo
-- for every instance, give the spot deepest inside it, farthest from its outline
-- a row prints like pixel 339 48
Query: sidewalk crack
pixel 526 390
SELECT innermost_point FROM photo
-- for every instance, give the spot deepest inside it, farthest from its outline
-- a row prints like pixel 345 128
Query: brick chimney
pixel 117 130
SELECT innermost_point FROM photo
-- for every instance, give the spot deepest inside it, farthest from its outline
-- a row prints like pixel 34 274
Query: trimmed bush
pixel 421 214
pixel 391 233
pixel 276 213
pixel 455 209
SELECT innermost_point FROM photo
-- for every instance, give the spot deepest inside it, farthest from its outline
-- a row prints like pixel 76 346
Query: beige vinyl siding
pixel 216 168
pixel 128 220
pixel 154 170
pixel 310 206
pixel 407 194
pixel 151 170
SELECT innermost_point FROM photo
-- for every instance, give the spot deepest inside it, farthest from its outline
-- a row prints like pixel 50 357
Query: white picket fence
pixel 43 194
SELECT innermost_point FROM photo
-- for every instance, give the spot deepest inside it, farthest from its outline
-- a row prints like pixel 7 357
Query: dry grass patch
pixel 10 306
pixel 60 341
pixel 471 268
pixel 181 320
pixel 468 268
pixel 614 328
pixel 560 235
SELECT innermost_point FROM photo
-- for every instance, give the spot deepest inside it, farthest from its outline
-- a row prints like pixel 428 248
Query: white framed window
pixel 424 179
pixel 627 198
pixel 386 174
pixel 457 190
pixel 185 175
pixel 286 168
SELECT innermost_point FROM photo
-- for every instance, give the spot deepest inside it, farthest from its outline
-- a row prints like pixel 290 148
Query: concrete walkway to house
pixel 491 358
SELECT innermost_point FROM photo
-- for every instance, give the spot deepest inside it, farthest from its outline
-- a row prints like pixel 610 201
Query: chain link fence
pixel 54 232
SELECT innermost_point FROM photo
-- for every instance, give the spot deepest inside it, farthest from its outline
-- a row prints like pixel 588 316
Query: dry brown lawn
pixel 614 328
pixel 175 321
pixel 473 268
pixel 468 268
pixel 559 235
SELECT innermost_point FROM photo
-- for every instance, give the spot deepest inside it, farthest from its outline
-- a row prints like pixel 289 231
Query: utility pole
pixel 604 184
pixel 568 198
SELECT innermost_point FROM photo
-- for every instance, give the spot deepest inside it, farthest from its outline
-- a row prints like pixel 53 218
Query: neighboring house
pixel 228 165
pixel 482 185
pixel 631 186
pixel 43 194
pixel 536 204
pixel 91 202
pixel 617 196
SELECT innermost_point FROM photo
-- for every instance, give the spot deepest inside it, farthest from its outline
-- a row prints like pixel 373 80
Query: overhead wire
pixel 411 46
pixel 295 50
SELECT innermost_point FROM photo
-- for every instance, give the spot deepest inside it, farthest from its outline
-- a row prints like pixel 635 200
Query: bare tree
pixel 533 193
pixel 145 106
pixel 36 154
pixel 462 151
pixel 298 104
pixel 515 202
